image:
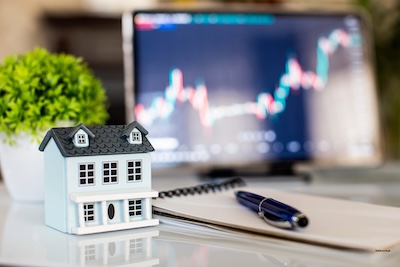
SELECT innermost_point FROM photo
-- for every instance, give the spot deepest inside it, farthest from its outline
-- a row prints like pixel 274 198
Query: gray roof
pixel 103 140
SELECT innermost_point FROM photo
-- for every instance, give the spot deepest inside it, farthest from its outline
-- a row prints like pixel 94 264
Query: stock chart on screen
pixel 246 87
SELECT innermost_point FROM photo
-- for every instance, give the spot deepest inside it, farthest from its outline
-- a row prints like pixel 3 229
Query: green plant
pixel 39 90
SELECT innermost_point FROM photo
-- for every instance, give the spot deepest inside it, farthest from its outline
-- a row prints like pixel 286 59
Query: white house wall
pixel 73 173
pixel 73 186
pixel 55 187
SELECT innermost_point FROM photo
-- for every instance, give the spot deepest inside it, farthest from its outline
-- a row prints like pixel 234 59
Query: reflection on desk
pixel 26 241
pixel 221 249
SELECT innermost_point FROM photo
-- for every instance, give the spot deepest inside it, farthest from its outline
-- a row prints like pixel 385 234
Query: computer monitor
pixel 229 89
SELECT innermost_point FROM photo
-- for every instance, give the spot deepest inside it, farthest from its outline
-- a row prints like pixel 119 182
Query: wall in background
pixel 90 28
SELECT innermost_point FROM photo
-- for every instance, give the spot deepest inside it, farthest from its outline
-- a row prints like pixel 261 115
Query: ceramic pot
pixel 22 169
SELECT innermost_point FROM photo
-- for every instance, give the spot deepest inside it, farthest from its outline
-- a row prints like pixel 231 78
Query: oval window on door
pixel 112 248
pixel 111 211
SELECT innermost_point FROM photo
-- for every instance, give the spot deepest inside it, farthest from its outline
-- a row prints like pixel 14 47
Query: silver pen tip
pixel 300 220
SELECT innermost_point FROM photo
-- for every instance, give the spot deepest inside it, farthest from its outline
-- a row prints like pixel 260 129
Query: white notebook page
pixel 332 222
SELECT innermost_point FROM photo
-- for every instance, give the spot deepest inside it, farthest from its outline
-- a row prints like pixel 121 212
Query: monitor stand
pixel 275 170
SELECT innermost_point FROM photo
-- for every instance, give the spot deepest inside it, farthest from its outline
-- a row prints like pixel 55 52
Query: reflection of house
pixel 98 178
pixel 123 248
pixel 133 250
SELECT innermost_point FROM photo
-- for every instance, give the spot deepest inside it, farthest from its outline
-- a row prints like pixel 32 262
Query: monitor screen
pixel 236 88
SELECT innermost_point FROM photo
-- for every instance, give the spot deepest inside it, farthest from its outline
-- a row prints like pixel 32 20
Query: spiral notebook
pixel 335 223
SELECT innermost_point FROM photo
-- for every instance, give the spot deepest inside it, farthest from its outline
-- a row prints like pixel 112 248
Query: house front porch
pixel 112 210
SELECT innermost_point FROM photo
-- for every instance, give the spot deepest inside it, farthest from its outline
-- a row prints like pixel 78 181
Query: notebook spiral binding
pixel 203 188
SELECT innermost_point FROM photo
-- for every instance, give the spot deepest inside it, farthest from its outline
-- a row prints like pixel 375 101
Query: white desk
pixel 26 241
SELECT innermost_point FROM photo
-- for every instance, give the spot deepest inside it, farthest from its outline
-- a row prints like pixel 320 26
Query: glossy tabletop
pixel 26 241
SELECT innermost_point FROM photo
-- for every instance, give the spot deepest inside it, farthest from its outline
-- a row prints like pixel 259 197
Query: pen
pixel 273 212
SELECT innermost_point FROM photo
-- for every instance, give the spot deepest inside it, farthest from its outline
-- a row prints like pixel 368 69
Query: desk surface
pixel 26 241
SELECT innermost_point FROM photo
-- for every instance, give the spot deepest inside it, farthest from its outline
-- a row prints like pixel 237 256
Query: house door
pixel 113 212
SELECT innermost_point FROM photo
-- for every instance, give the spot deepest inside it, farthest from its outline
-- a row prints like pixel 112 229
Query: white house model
pixel 98 178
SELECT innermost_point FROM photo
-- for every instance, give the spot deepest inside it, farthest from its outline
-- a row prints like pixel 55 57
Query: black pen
pixel 273 212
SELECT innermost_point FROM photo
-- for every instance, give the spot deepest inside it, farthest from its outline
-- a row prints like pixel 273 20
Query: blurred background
pixel 91 29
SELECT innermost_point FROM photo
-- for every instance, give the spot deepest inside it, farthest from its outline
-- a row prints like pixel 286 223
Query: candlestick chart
pixel 294 77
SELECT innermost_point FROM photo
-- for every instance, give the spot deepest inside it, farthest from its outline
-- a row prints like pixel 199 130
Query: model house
pixel 97 178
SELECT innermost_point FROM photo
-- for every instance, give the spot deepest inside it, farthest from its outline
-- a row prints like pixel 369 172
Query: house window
pixel 88 212
pixel 135 137
pixel 86 174
pixel 81 139
pixel 90 253
pixel 135 208
pixel 136 246
pixel 110 173
pixel 134 170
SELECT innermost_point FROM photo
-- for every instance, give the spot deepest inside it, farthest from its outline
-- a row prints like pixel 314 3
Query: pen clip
pixel 280 223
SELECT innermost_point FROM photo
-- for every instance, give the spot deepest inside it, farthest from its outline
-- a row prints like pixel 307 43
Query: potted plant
pixel 40 90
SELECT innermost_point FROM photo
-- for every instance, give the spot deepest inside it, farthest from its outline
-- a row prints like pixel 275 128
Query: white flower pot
pixel 22 169
pixel 118 6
